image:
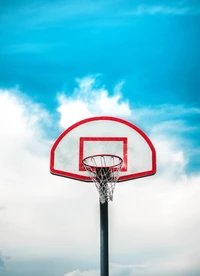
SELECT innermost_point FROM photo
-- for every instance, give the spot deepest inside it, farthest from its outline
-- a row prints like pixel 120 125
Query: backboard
pixel 103 135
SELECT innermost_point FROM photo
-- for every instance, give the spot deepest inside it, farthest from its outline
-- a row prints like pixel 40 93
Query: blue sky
pixel 59 61
pixel 154 50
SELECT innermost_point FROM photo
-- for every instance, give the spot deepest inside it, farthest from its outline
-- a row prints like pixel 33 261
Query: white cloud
pixel 29 194
pixel 177 264
pixel 115 270
pixel 83 273
pixel 144 9
pixel 178 126
pixel 165 113
pixel 90 100
pixel 35 14
pixel 46 215
pixel 176 110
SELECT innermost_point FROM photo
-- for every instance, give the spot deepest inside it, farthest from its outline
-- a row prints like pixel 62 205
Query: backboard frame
pixel 83 138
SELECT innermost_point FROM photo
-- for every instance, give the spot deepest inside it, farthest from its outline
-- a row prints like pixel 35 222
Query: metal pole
pixel 104 255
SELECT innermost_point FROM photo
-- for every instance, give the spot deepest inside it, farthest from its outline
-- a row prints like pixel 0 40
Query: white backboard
pixel 103 135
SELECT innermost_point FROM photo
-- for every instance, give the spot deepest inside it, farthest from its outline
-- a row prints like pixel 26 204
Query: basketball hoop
pixel 104 171
pixel 77 154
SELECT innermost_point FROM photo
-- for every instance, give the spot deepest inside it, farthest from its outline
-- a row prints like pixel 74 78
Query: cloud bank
pixel 89 100
pixel 154 222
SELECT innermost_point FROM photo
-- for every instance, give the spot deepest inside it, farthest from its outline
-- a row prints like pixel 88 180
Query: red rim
pixel 111 155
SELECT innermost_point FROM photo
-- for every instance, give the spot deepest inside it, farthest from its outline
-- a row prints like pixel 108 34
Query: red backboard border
pixel 87 178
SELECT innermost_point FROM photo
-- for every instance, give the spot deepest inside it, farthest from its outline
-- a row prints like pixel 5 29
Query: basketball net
pixel 104 171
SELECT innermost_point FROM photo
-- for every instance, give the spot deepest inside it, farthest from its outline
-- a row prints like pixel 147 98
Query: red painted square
pixel 124 141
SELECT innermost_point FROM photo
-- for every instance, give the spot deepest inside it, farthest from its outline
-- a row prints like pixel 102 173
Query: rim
pixel 102 155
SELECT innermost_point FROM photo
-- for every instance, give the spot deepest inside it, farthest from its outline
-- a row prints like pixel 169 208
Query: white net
pixel 104 171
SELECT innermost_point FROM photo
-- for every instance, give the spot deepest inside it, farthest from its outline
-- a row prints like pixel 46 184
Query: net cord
pixel 104 171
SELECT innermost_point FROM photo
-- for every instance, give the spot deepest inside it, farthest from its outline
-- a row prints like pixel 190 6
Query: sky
pixel 64 61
